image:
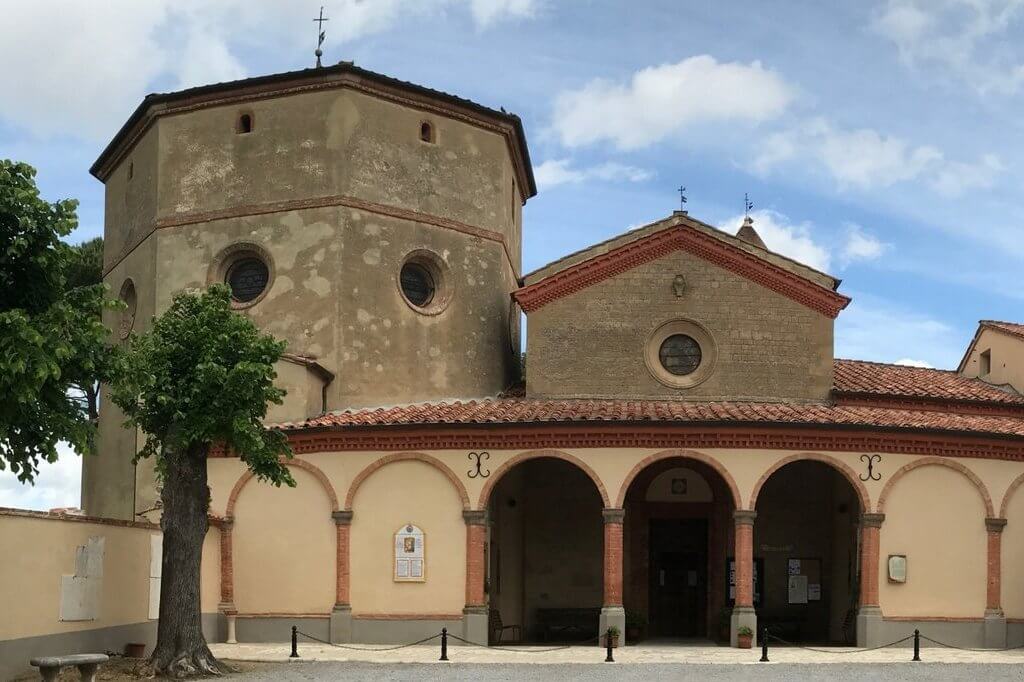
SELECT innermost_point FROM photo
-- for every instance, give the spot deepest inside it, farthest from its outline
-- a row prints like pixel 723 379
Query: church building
pixel 677 453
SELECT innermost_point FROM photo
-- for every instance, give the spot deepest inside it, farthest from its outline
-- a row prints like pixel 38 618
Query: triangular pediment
pixel 773 271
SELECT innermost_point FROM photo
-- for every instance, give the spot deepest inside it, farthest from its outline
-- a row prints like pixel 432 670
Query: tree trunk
pixel 181 648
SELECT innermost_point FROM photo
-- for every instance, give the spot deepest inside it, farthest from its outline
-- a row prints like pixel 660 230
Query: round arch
pixel 1016 483
pixel 485 494
pixel 939 461
pixel 406 457
pixel 848 473
pixel 244 479
pixel 682 454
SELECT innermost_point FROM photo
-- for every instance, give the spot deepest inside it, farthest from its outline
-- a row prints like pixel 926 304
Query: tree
pixel 203 374
pixel 51 337
pixel 86 270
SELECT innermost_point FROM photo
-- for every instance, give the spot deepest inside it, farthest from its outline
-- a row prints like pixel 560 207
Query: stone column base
pixel 613 616
pixel 742 615
pixel 869 626
pixel 475 625
pixel 994 629
pixel 341 624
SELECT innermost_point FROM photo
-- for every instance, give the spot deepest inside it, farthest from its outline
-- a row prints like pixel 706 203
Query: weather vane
pixel 321 34
pixel 748 205
pixel 682 197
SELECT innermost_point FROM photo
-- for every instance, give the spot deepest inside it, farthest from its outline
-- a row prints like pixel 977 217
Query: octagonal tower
pixel 373 224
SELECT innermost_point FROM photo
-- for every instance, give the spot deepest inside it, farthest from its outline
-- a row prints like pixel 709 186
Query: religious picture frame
pixel 410 555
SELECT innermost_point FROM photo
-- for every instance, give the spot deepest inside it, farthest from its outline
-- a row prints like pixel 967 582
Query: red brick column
pixel 343 526
pixel 227 568
pixel 613 519
pixel 744 519
pixel 993 601
pixel 870 529
pixel 476 571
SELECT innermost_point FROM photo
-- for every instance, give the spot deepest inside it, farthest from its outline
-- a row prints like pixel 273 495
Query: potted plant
pixel 635 624
pixel 612 632
pixel 744 637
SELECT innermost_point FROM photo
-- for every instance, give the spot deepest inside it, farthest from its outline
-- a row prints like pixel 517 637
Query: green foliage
pixel 204 374
pixel 744 631
pixel 51 338
pixel 86 266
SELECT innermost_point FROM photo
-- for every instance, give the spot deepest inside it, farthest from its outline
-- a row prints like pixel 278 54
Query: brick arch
pixel 406 457
pixel 1009 493
pixel 681 454
pixel 842 467
pixel 937 461
pixel 496 476
pixel 244 479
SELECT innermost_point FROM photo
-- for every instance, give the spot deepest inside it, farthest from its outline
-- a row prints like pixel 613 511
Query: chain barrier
pixel 588 642
pixel 840 651
pixel 967 648
pixel 367 648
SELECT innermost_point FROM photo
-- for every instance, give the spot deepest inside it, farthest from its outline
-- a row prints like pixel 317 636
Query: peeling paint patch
pixel 371 256
pixel 363 316
pixel 317 284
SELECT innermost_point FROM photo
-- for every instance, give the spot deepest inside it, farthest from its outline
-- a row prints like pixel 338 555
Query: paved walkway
pixel 641 654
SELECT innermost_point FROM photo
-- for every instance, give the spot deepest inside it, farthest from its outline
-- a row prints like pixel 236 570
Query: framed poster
pixel 804 580
pixel 730 576
pixel 410 555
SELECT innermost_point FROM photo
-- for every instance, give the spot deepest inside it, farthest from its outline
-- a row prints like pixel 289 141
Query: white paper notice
pixel 798 589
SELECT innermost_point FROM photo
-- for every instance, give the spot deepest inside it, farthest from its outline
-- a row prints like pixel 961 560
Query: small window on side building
pixel 244 124
pixel 427 132
pixel 985 363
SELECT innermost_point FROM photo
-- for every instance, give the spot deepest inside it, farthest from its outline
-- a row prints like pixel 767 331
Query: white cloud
pixel 910 362
pixel 78 69
pixel 865 158
pixel 781 235
pixel 861 246
pixel 57 485
pixel 875 329
pixel 660 101
pixel 972 41
pixel 556 172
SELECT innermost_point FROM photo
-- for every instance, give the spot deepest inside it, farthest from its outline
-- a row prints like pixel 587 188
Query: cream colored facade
pixel 686 457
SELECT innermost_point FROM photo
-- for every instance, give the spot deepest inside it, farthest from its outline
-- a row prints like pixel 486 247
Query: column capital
pixel 613 515
pixel 342 517
pixel 227 608
pixel 872 520
pixel 744 517
pixel 994 525
pixel 226 523
pixel 474 517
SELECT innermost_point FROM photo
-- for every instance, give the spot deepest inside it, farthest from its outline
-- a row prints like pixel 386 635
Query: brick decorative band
pixel 681 236
pixel 407 616
pixel 933 619
pixel 275 614
pixel 590 435
pixel 74 518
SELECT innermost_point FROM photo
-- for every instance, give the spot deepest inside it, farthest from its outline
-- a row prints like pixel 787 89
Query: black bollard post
pixel 917 645
pixel 608 643
pixel 444 644
pixel 295 642
pixel 764 644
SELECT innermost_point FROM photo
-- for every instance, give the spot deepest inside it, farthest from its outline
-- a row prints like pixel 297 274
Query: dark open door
pixel 678 580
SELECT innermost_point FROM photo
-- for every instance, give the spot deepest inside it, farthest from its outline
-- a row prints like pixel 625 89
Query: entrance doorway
pixel 677 537
pixel 678 581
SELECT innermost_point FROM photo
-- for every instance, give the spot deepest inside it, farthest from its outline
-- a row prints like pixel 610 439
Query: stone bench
pixel 50 666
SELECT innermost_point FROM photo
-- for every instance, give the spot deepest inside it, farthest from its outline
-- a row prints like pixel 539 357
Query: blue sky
pixel 879 140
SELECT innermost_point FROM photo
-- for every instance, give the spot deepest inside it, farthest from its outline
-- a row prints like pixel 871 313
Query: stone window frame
pixel 126 318
pixel 439 271
pixel 233 253
pixel 431 128
pixel 704 339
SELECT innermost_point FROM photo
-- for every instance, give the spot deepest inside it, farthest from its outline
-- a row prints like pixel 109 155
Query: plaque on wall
pixel 410 555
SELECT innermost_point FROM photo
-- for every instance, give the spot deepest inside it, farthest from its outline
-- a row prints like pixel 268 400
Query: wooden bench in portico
pixel 50 666
pixel 567 624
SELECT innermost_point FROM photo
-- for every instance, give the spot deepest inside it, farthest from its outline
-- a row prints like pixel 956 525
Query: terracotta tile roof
pixel 1013 328
pixel 863 378
pixel 530 411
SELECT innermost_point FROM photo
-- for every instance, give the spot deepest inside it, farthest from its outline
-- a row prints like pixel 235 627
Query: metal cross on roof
pixel 321 34
pixel 748 205
pixel 682 197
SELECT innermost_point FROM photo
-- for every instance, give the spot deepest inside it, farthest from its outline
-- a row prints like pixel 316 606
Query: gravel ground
pixel 760 673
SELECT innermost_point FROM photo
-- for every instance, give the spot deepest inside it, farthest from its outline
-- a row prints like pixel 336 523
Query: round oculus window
pixel 247 277
pixel 417 284
pixel 680 354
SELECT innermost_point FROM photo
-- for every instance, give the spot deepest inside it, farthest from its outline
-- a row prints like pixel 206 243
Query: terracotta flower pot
pixel 615 641
pixel 744 641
